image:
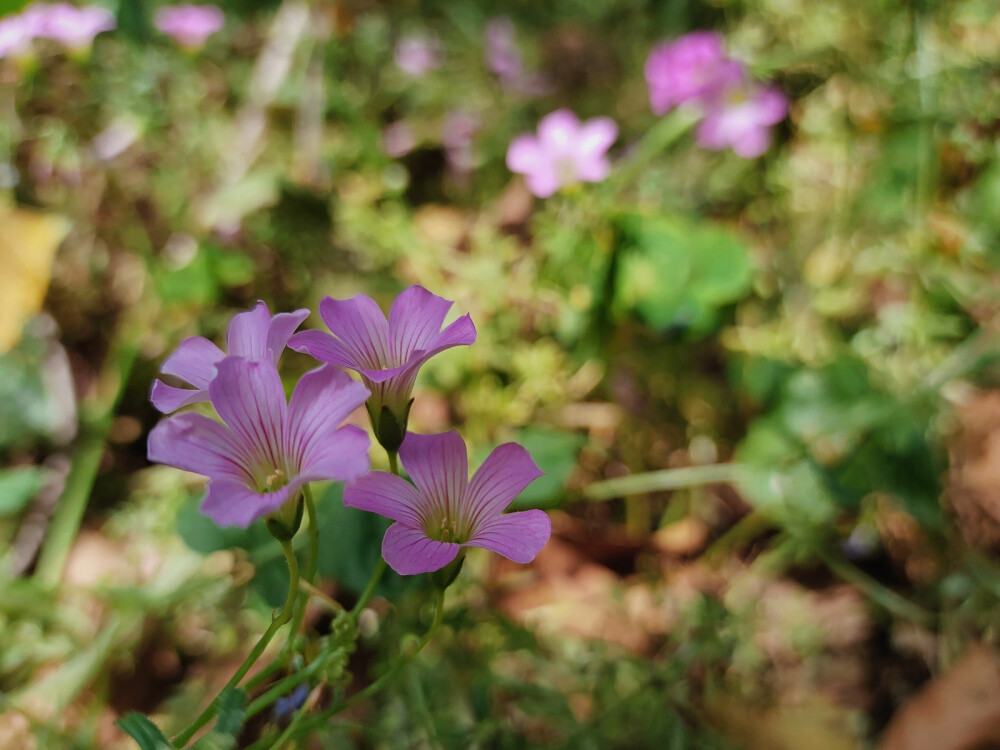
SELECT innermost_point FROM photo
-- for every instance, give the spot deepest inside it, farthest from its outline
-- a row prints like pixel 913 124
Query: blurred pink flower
pixel 564 151
pixel 418 53
pixel 691 69
pixel 398 139
pixel 742 120
pixel 16 34
pixel 457 134
pixel 189 25
pixel 73 27
pixel 503 59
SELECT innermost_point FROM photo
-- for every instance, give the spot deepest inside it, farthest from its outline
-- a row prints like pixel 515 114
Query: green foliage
pixel 555 452
pixel 17 487
pixel 143 731
pixel 678 274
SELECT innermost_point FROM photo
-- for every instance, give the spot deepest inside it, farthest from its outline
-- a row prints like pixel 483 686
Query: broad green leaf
pixel 555 453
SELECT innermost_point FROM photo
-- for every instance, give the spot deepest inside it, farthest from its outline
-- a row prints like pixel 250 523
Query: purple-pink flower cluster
pixel 189 25
pixel 72 27
pixel 263 448
pixel 695 71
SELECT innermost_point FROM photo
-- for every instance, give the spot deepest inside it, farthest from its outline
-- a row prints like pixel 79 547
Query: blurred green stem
pixel 276 623
pixel 309 572
pixel 656 139
pixel 366 595
pixel 881 595
pixel 668 479
pixel 403 660
pixel 95 423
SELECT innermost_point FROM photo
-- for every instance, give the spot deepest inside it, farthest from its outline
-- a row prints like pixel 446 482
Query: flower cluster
pixel 695 71
pixel 72 27
pixel 189 25
pixel 264 449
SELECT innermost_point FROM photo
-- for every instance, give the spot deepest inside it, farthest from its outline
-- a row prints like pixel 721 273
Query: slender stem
pixel 883 596
pixel 287 684
pixel 95 421
pixel 655 140
pixel 668 479
pixel 404 660
pixel 370 588
pixel 309 572
pixel 276 623
pixel 393 462
pixel 319 594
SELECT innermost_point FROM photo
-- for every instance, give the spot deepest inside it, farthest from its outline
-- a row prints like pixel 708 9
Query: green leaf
pixel 232 704
pixel 555 453
pixel 18 486
pixel 351 544
pixel 676 273
pixel 143 731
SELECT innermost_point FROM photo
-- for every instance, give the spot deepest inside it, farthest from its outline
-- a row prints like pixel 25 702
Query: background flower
pixel 416 54
pixel 564 151
pixel 189 25
pixel 743 120
pixel 691 69
pixel 446 511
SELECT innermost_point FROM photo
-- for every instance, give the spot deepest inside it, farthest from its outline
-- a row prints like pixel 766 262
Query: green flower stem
pixel 393 462
pixel 311 590
pixel 95 423
pixel 656 139
pixel 309 572
pixel 276 623
pixel 369 591
pixel 668 479
pixel 403 661
pixel 283 687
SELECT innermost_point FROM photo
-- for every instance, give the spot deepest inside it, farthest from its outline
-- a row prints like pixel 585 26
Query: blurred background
pixel 764 391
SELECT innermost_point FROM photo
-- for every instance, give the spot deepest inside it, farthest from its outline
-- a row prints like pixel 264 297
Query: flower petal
pixel 517 536
pixel 388 495
pixel 324 347
pixel 195 443
pixel 167 398
pixel 415 320
pixel 409 551
pixel 524 154
pixel 558 132
pixel 544 180
pixel 439 466
pixel 247 335
pixel 597 135
pixel 361 325
pixel 503 475
pixel 251 401
pixel 341 455
pixel 231 503
pixel 282 327
pixel 321 401
pixel 194 361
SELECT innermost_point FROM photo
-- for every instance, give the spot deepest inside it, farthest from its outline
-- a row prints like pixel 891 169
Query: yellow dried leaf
pixel 28 244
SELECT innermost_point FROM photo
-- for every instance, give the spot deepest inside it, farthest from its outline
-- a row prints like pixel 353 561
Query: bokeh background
pixel 763 391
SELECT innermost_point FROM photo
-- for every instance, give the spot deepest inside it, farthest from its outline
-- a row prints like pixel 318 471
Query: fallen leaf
pixel 28 244
pixel 958 711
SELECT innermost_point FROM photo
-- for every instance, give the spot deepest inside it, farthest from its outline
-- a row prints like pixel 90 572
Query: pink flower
pixel 398 139
pixel 255 335
pixel 447 511
pixel 189 25
pixel 386 353
pixel 16 34
pixel 742 120
pixel 418 53
pixel 74 28
pixel 565 151
pixel 692 69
